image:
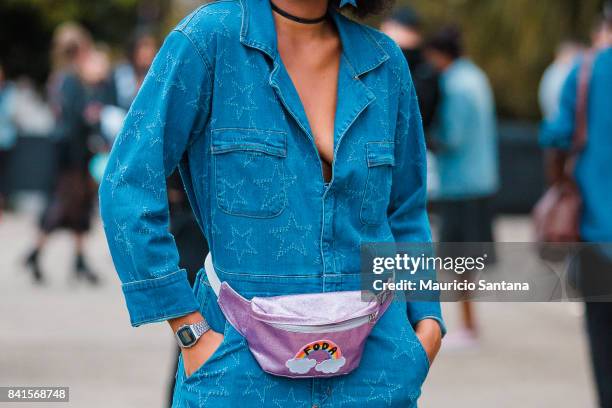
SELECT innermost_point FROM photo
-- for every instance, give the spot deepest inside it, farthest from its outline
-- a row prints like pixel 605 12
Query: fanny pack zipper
pixel 326 328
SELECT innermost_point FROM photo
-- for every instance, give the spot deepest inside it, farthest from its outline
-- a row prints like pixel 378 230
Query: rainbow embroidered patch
pixel 324 355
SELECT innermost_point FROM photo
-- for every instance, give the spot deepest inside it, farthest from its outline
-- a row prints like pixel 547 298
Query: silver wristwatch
pixel 189 334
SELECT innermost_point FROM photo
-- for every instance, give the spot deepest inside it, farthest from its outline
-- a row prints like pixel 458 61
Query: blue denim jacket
pixel 593 170
pixel 468 156
pixel 219 103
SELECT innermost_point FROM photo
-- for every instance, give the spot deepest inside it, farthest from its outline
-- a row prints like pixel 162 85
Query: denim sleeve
pixel 169 112
pixel 408 209
pixel 557 132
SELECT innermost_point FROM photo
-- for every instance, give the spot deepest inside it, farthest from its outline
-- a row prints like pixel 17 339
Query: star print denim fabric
pixel 219 104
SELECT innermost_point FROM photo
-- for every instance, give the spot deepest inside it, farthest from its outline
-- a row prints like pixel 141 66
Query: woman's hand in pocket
pixel 430 335
pixel 196 356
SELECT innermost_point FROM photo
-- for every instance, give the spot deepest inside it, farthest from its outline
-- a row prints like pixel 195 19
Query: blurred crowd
pixel 458 110
pixel 86 100
pixel 87 97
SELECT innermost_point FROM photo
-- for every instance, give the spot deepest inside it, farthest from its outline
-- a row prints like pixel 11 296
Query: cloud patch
pixel 300 365
pixel 330 366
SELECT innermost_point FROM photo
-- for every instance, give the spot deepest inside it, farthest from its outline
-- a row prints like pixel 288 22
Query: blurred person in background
pixel 8 131
pixel 593 174
pixel 124 83
pixel 404 27
pixel 555 75
pixel 77 90
pixel 601 37
pixel 466 148
pixel 127 77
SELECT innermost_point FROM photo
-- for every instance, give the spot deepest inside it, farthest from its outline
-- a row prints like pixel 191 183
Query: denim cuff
pixel 418 311
pixel 159 299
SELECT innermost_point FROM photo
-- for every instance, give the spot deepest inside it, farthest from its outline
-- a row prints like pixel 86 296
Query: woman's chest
pixel 291 122
pixel 315 78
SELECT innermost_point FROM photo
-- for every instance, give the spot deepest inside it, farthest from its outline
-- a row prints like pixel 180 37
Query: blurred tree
pixel 107 19
pixel 26 51
pixel 513 41
pixel 180 8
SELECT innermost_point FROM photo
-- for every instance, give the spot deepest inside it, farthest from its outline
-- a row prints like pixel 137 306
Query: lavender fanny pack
pixel 305 335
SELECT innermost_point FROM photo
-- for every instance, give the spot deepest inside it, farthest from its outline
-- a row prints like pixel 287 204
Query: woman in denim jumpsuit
pixel 219 104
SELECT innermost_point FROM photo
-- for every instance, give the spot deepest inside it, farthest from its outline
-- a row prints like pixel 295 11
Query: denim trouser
pixel 392 370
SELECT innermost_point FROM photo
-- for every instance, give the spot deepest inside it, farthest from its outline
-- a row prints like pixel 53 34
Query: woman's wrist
pixel 190 318
pixel 429 333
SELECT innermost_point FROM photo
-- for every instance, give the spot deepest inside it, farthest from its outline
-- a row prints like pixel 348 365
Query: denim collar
pixel 359 47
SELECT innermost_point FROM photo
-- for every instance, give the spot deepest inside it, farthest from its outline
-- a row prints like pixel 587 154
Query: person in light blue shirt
pixel 298 139
pixel 593 174
pixel 549 92
pixel 466 149
pixel 466 140
pixel 592 170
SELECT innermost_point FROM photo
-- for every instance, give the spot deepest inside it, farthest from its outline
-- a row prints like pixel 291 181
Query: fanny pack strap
pixel 211 274
pixel 215 282
pixel 235 307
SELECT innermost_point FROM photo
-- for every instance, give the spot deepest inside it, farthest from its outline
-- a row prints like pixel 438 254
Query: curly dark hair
pixel 367 8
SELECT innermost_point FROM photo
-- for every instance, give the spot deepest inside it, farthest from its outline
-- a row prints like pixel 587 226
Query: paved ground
pixel 533 355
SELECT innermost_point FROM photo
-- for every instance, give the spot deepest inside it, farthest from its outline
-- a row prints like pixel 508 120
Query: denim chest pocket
pixel 380 158
pixel 249 167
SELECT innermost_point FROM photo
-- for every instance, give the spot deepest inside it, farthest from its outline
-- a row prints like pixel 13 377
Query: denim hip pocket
pixel 380 159
pixel 249 167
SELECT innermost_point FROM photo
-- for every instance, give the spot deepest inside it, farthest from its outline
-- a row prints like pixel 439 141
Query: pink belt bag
pixel 305 335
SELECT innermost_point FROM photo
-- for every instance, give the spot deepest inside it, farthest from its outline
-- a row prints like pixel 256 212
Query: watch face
pixel 186 336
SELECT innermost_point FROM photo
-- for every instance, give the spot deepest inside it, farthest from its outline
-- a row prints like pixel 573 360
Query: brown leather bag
pixel 556 216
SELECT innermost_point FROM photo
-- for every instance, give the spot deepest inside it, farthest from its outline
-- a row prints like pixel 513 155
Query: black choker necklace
pixel 296 18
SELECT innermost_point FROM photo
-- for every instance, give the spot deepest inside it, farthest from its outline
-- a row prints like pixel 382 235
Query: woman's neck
pixel 309 9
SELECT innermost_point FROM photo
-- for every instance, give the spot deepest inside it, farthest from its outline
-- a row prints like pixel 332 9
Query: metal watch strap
pixel 200 328
pixel 196 331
